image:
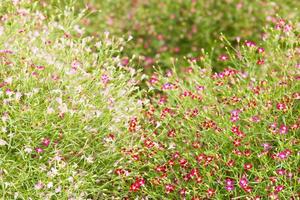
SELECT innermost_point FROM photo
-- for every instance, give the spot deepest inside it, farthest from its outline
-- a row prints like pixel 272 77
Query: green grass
pixel 82 117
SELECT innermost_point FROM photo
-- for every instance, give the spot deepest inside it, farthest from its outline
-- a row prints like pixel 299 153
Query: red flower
pixel 169 188
pixel 248 166
pixel 182 192
pixel 137 184
pixel 172 133
pixel 260 62
pixel 281 106
pixel 211 192
pixel 279 188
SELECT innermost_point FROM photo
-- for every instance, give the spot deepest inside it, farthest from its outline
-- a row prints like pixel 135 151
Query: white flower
pixel 58 189
pixel 2 142
pixel 28 149
pixel 39 185
pixel 63 108
pixel 1 30
pixel 98 44
pixel 130 38
pixel 3 129
pixel 18 96
pixel 71 179
pixel 50 185
pixel 9 80
pixel 50 110
pixel 172 146
pixel 89 159
pixel 57 158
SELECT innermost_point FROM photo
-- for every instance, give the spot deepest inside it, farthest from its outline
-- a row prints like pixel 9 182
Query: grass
pixel 88 114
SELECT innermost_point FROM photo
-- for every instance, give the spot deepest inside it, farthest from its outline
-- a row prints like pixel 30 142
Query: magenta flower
pixel 46 142
pixel 39 150
pixel 283 129
pixel 243 182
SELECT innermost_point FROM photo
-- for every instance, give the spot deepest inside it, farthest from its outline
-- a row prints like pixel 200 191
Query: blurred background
pixel 165 31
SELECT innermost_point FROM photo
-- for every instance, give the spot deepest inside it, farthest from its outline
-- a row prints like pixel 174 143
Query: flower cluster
pixel 226 134
pixel 78 121
pixel 65 100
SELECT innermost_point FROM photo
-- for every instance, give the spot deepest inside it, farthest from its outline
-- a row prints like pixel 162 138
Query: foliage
pixel 62 101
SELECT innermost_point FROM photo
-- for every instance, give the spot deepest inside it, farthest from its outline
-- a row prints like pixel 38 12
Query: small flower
pixel 260 50
pixel 39 150
pixel 3 142
pixel 182 192
pixel 229 181
pixel 281 106
pixel 211 192
pixel 39 185
pixel 284 154
pixel 229 187
pixel 281 171
pixel 255 119
pixel 41 68
pixel 248 166
pixel 46 142
pixel 283 129
pixel 104 79
pixel 137 184
pixel 243 182
pixel 172 133
pixel 58 189
pixel 223 57
pixel 169 188
pixel 260 62
pixel 28 150
pixel 279 188
pixel 250 43
pixel 50 185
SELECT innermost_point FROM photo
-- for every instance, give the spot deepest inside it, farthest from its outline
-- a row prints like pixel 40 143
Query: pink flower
pixel 283 129
pixel 229 181
pixel 223 57
pixel 255 119
pixel 39 150
pixel 182 192
pixel 284 154
pixel 260 50
pixel 250 43
pixel 39 185
pixel 279 188
pixel 40 68
pixel 105 79
pixel 46 142
pixel 229 187
pixel 75 64
pixel 125 61
pixel 169 188
pixel 281 106
pixel 281 171
pixel 243 182
pixel 200 88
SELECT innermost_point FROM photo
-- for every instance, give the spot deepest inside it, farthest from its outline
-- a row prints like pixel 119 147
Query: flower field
pixel 148 99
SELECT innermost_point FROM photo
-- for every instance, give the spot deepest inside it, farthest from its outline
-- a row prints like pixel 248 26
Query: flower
pixel 248 166
pixel 3 142
pixel 169 188
pixel 39 150
pixel 46 142
pixel 281 106
pixel 283 129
